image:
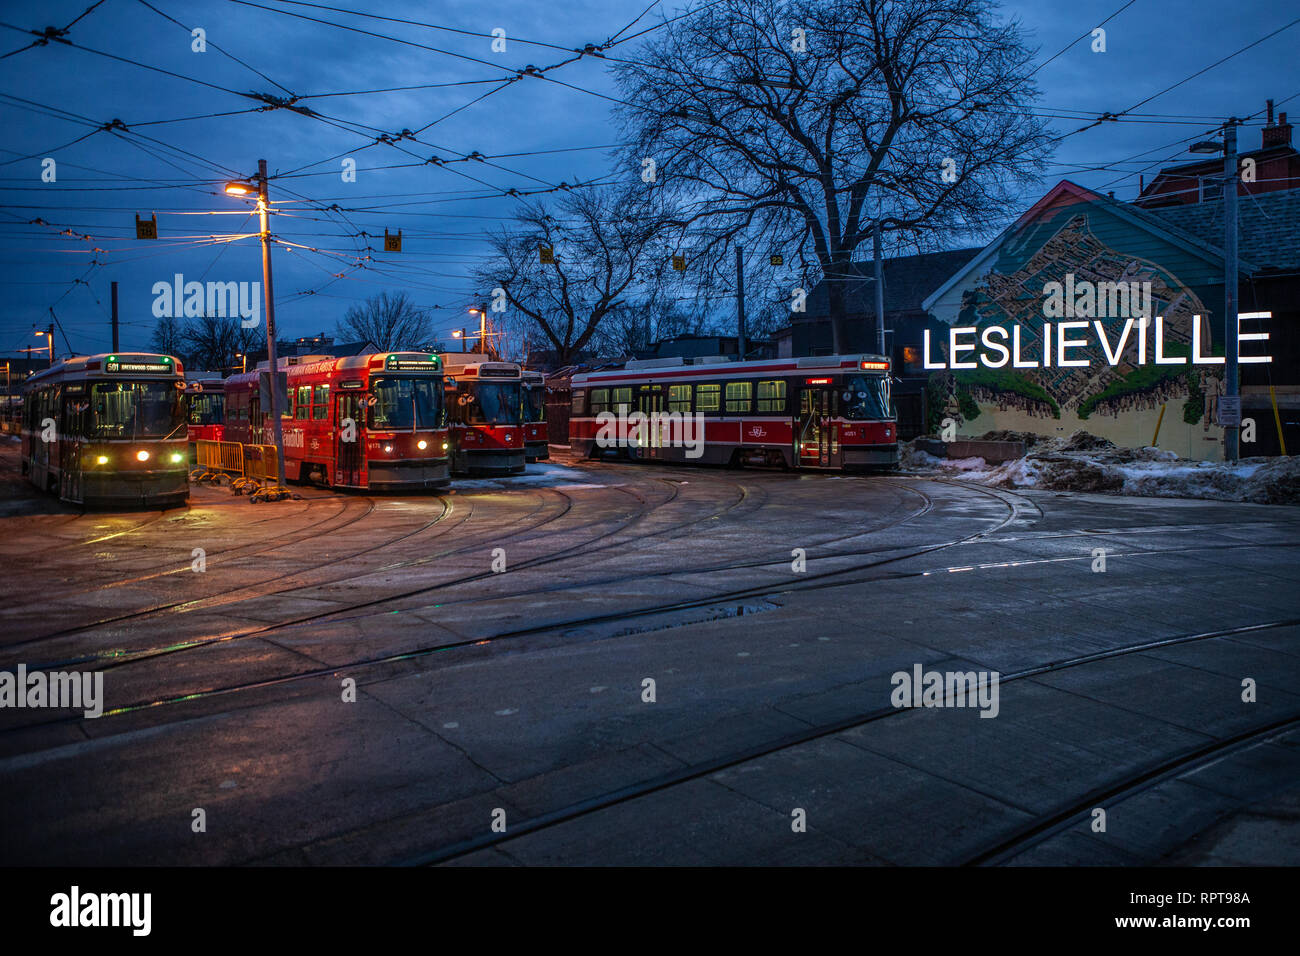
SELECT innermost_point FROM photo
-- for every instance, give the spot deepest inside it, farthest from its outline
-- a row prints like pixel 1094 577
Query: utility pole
pixel 1231 432
pixel 113 287
pixel 272 358
pixel 740 303
pixel 880 292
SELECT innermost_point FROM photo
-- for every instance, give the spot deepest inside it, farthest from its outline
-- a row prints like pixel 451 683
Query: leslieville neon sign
pixel 1084 300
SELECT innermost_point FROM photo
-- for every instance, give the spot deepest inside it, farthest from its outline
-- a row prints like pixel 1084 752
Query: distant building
pixel 695 346
pixel 1276 167
pixel 313 345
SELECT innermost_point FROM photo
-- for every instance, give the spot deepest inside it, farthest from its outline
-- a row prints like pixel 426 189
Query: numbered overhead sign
pixel 776 260
pixel 679 263
pixel 1229 407
pixel 392 243
pixel 146 228
pixel 546 255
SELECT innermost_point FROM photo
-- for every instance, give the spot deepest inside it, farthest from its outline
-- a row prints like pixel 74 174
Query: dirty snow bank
pixel 1085 462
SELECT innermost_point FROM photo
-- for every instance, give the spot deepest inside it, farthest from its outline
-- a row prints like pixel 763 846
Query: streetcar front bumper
pixel 870 456
pixel 415 474
pixel 125 489
pixel 497 462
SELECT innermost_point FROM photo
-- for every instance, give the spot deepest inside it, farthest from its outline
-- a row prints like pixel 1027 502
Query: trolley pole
pixel 740 303
pixel 113 289
pixel 271 357
pixel 880 292
pixel 1231 432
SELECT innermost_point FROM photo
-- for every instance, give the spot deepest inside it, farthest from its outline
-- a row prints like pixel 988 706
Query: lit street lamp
pixel 259 188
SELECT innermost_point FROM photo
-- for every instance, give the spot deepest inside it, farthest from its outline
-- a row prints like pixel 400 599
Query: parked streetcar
pixel 827 412
pixel 108 430
pixel 537 444
pixel 206 392
pixel 374 422
pixel 484 406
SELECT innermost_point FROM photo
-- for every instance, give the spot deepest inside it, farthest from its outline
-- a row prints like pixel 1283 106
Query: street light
pixel 49 341
pixel 247 188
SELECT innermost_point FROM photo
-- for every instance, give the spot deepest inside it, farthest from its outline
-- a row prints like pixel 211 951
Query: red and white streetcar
pixel 207 395
pixel 484 405
pixel 831 412
pixel 108 430
pixel 376 422
pixel 537 444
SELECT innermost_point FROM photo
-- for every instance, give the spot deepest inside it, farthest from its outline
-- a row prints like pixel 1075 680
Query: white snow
pixel 1056 465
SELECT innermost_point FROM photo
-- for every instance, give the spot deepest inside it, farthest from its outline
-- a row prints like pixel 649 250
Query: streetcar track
pixel 698 770
pixel 478 642
pixel 1050 824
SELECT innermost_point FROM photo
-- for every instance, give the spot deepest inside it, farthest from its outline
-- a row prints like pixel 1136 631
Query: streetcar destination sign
pixel 147 367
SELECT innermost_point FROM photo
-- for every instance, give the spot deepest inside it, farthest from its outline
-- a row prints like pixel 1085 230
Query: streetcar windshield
pixel 492 403
pixel 406 403
pixel 534 404
pixel 136 410
pixel 207 409
pixel 866 397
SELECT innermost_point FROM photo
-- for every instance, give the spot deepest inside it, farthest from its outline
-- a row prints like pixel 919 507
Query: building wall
pixel 1123 402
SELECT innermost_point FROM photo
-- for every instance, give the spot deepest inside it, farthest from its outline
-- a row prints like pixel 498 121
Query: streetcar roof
pixel 116 365
pixel 648 370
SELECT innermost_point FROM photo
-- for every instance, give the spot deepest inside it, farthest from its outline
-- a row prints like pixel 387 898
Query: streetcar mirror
pixel 848 396
pixel 862 394
pixel 372 400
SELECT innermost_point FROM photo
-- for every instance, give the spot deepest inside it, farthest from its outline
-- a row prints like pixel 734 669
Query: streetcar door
pixel 650 401
pixel 819 445
pixel 71 434
pixel 347 454
pixel 255 423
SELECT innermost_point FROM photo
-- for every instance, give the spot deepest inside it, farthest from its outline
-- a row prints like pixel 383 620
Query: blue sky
pixel 562 132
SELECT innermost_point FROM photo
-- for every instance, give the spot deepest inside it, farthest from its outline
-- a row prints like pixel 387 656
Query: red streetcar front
pixel 484 406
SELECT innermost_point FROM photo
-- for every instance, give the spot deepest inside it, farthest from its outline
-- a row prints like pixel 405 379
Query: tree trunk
pixel 835 289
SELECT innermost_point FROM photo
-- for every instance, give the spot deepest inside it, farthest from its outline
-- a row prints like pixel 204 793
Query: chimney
pixel 1279 135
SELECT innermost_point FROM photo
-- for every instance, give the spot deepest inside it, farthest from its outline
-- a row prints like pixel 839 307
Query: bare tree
pixel 605 251
pixel 393 323
pixel 801 123
pixel 214 341
pixel 169 339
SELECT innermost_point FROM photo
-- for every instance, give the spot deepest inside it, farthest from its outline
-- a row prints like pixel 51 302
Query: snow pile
pixel 1087 463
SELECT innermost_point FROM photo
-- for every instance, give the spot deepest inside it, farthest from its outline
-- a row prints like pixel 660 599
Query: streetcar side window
pixel 679 398
pixel 320 403
pixel 599 400
pixel 771 396
pixel 706 397
pixel 302 402
pixel 623 398
pixel 576 402
pixel 739 396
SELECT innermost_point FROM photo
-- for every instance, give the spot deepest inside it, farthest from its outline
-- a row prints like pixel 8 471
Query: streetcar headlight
pixel 142 456
pixel 176 458
pixel 388 449
pixel 422 444
pixel 445 446
pixel 102 460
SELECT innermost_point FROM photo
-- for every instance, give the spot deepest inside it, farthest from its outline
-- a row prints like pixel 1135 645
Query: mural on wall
pixel 1120 400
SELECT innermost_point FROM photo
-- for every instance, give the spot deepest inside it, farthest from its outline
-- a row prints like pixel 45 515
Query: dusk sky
pixel 174 155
